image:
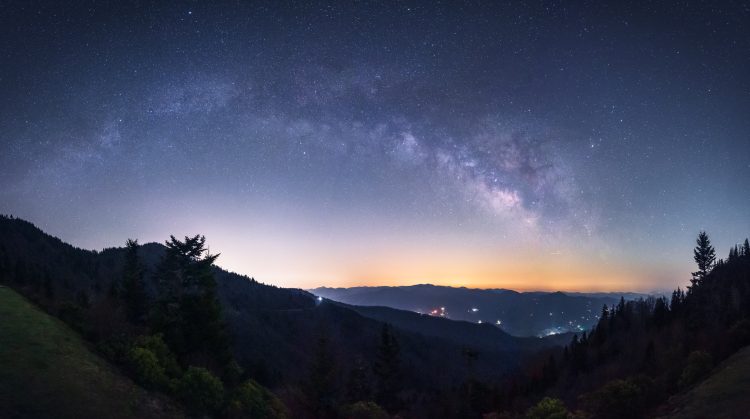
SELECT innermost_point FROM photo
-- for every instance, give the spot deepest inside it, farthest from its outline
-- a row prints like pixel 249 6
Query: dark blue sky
pixel 553 145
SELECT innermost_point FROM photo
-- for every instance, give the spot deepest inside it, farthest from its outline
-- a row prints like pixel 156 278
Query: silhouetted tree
pixel 734 253
pixel 133 287
pixel 660 312
pixel 678 297
pixel 188 312
pixel 599 335
pixel 705 256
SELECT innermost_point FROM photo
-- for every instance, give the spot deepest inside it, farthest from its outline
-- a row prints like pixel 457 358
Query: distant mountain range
pixel 517 313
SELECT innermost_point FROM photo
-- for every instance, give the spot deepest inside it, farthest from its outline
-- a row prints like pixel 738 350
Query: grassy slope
pixel 724 394
pixel 46 371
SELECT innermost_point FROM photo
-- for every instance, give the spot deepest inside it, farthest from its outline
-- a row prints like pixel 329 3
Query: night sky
pixel 559 145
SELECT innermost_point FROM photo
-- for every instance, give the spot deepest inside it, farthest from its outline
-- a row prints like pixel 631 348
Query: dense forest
pixel 643 351
pixel 165 314
pixel 224 345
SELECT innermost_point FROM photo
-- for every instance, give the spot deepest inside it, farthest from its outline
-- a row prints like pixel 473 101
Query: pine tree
pixel 660 312
pixel 705 256
pixel 600 332
pixel 734 254
pixel 188 312
pixel 133 288
pixel 605 313
pixel 746 248
pixel 620 311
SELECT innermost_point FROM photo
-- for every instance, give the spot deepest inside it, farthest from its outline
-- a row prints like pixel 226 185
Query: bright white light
pixel 474 309
pixel 320 298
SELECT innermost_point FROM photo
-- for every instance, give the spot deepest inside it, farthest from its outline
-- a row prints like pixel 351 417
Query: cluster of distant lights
pixel 442 312
pixel 438 312
pixel 555 330
pixel 475 310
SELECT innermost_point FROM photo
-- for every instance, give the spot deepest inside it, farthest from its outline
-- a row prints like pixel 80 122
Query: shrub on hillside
pixel 145 366
pixel 251 400
pixel 548 408
pixel 200 390
pixel 155 344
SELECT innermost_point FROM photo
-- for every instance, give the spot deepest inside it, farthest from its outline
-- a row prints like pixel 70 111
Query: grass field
pixel 47 371
pixel 725 394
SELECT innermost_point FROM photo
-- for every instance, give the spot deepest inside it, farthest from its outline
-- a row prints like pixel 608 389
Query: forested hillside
pixel 167 314
pixel 642 352
pixel 225 345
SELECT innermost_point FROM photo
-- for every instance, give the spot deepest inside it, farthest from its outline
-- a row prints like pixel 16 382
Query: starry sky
pixel 526 145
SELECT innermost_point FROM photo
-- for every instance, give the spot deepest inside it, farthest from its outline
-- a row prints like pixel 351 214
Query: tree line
pixel 165 328
pixel 642 351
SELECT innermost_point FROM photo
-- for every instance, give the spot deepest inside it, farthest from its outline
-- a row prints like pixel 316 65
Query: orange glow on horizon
pixel 284 257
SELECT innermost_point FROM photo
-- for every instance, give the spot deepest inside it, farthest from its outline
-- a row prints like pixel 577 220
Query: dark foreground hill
pixel 723 395
pixel 48 371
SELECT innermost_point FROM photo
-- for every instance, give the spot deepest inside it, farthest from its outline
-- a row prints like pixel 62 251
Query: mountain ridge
pixel 271 326
pixel 521 314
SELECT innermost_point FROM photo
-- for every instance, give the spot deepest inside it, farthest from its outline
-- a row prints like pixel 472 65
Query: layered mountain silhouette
pixel 273 330
pixel 517 313
pixel 312 351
